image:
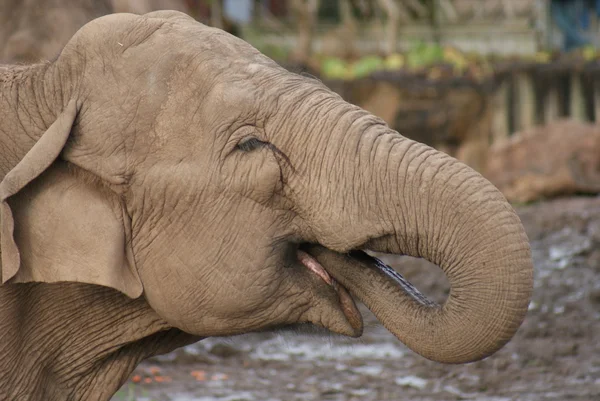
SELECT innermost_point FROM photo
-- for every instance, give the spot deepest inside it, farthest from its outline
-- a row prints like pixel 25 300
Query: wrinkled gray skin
pixel 158 179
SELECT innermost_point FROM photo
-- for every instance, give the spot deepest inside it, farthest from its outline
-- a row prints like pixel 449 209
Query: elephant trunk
pixel 402 197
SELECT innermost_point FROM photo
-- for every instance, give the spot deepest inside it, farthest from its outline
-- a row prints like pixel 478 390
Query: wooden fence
pixel 529 95
pixel 464 118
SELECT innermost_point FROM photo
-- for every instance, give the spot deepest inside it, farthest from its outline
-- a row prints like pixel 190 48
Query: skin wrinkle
pixel 135 39
pixel 482 237
pixel 444 217
pixel 131 121
pixel 348 127
pixel 47 335
pixel 314 115
pixel 290 88
pixel 32 342
pixel 357 187
pixel 470 206
pixel 400 216
pixel 409 239
pixel 454 249
pixel 374 146
pixel 19 118
pixel 12 84
pixel 459 228
pixel 432 211
pixel 422 246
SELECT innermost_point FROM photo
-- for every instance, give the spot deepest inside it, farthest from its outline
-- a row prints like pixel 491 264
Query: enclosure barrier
pixel 464 117
pixel 528 95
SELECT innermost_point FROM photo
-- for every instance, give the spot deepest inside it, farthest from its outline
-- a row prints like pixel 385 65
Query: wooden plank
pixel 551 104
pixel 576 98
pixel 597 99
pixel 524 101
pixel 500 113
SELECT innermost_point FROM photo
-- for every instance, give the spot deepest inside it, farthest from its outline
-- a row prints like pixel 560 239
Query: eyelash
pixel 251 144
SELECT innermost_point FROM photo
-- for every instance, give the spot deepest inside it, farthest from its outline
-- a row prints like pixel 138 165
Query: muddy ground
pixel 554 356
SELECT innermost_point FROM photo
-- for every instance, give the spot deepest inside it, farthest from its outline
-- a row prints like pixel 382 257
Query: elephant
pixel 36 30
pixel 164 182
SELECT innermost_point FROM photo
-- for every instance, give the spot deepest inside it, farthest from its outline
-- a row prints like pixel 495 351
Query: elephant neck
pixel 73 341
pixel 30 100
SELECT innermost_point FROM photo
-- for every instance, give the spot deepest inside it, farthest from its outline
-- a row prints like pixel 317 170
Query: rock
pixel 411 381
pixel 224 350
pixel 556 159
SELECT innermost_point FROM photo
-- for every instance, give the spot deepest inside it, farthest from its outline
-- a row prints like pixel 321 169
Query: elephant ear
pixel 57 226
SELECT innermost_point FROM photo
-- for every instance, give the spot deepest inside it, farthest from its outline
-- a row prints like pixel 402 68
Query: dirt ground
pixel 554 356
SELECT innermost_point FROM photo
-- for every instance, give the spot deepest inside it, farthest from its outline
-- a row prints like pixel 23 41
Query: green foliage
pixel 432 60
pixel 394 62
pixel 424 54
pixel 421 55
pixel 277 53
pixel 366 66
pixel 335 68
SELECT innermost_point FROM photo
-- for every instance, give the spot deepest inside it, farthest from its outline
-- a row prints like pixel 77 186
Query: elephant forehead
pixel 198 39
pixel 255 68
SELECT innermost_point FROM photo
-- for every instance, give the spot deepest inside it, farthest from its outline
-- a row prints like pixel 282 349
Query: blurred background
pixel 510 87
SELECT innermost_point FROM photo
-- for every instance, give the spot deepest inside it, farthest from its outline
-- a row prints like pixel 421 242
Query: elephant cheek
pixel 172 296
pixel 257 179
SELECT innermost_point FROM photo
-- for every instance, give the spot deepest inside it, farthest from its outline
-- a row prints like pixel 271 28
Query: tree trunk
pixel 419 9
pixel 393 12
pixel 447 8
pixel 305 13
pixel 216 13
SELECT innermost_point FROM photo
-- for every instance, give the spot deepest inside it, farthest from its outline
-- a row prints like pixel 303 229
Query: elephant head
pixel 187 168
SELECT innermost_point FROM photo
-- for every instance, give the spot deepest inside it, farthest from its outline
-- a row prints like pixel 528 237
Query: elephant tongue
pixel 314 266
pixel 346 302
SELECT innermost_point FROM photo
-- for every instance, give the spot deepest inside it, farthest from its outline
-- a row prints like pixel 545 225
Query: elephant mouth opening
pixel 314 257
pixel 346 302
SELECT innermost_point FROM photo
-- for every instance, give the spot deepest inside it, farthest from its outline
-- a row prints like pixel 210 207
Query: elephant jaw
pixel 346 302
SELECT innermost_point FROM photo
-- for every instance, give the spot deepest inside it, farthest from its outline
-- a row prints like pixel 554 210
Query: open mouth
pixel 346 302
pixel 310 255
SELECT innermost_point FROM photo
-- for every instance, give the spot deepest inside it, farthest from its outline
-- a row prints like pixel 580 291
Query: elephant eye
pixel 250 144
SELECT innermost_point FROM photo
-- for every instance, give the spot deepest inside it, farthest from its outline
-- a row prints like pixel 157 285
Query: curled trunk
pixel 420 202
